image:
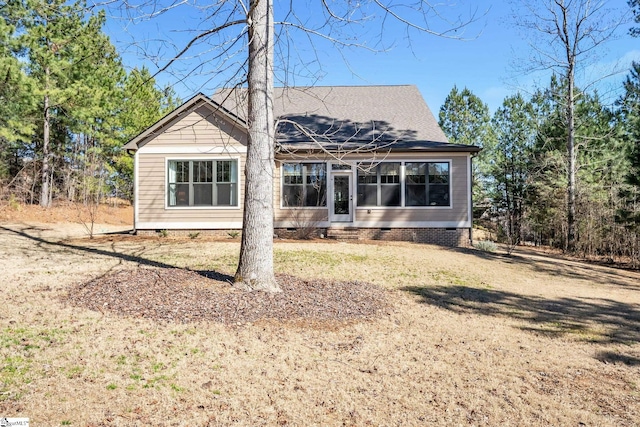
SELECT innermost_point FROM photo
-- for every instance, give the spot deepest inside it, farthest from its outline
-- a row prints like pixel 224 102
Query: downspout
pixel 471 156
pixel 134 194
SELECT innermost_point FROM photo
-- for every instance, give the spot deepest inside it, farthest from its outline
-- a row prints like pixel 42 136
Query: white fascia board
pixel 193 149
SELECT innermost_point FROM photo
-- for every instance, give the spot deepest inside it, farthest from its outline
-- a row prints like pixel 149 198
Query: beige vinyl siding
pixel 201 127
pixel 457 213
pixel 193 137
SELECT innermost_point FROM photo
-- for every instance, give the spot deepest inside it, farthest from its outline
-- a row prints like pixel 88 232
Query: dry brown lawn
pixel 466 337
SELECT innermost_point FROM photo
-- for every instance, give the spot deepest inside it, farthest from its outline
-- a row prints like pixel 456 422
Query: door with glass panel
pixel 341 206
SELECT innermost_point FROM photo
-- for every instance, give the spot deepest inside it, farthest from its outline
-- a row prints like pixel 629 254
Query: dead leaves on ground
pixel 182 296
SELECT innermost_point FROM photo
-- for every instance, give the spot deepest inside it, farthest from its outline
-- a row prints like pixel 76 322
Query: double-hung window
pixel 427 184
pixel 203 183
pixel 304 184
pixel 379 185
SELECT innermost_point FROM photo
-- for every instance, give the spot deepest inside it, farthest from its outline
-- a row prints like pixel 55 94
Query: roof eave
pixel 443 148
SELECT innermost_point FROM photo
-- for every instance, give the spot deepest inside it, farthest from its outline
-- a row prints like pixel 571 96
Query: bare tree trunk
pixel 578 28
pixel 571 131
pixel 44 191
pixel 255 268
pixel 571 171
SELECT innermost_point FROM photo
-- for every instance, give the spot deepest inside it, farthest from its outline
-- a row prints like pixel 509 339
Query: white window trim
pixel 203 159
pixel 326 177
pixel 354 170
pixel 403 185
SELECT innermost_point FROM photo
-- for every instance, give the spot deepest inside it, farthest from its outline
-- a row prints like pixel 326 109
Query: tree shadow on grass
pixel 559 266
pixel 614 357
pixel 591 319
pixel 136 257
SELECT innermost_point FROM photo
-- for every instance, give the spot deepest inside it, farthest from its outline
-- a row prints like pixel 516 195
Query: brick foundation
pixel 455 237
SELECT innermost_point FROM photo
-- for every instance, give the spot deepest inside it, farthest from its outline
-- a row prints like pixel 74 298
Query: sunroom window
pixel 203 183
pixel 379 185
pixel 304 184
pixel 427 184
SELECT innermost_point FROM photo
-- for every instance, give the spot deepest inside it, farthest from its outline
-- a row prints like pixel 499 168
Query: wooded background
pixel 67 105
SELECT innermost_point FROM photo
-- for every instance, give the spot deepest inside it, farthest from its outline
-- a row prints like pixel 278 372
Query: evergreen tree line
pixel 520 176
pixel 67 105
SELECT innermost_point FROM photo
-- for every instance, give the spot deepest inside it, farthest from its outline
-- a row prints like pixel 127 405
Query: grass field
pixel 469 338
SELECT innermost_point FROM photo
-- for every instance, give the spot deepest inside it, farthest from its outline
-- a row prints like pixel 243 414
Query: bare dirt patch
pixel 117 213
pixel 178 295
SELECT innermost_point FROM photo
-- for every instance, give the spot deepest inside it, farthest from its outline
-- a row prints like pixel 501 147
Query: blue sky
pixel 481 61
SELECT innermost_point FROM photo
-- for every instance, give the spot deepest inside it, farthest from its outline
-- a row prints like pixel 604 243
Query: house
pixel 360 161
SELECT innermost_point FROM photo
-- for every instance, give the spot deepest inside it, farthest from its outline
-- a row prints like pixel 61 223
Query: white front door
pixel 342 198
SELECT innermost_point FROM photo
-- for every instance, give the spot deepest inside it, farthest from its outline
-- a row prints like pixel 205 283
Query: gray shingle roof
pixel 348 117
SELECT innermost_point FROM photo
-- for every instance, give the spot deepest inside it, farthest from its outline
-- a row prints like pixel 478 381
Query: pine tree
pixel 465 119
pixel 515 130
pixel 14 97
pixel 599 170
pixel 565 36
pixel 635 9
pixel 140 104
pixel 69 61
pixel 629 213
